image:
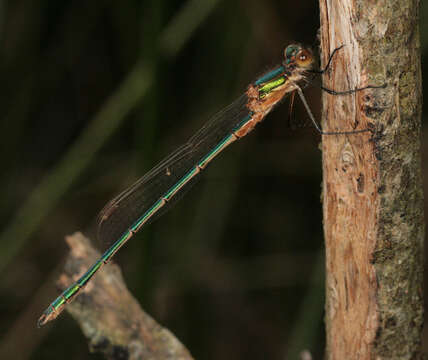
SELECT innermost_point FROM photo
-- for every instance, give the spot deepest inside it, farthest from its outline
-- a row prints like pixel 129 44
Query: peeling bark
pixel 372 185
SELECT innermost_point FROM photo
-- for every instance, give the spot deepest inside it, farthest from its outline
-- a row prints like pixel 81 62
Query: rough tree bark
pixel 108 314
pixel 373 200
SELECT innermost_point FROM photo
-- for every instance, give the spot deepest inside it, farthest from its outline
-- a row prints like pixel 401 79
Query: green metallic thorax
pixel 271 85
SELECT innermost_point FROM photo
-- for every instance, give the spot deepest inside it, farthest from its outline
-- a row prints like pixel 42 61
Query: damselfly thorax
pixel 268 91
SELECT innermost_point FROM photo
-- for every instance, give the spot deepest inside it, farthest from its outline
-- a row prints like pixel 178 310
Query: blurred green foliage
pixel 93 95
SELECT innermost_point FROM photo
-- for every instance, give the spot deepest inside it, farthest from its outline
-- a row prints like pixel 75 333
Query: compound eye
pixel 289 53
pixel 304 58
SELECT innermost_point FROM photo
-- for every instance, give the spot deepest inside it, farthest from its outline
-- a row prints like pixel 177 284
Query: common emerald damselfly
pixel 161 187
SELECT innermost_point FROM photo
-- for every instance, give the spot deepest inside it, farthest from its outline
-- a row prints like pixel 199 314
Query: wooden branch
pixel 108 314
pixel 373 201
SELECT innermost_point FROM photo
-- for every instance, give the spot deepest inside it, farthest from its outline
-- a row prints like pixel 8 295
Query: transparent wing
pixel 126 208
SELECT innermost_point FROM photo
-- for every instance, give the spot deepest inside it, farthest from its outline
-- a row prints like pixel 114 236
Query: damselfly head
pixel 298 57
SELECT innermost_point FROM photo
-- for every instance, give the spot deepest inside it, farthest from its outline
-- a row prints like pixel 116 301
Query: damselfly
pixel 159 189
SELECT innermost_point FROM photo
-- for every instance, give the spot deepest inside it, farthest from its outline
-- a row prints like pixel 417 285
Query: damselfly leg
pixel 317 127
pixel 351 91
pixel 328 62
pixel 345 92
pixel 335 93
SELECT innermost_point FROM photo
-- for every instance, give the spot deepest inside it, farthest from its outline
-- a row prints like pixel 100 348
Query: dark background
pixel 235 270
